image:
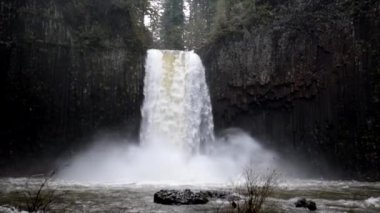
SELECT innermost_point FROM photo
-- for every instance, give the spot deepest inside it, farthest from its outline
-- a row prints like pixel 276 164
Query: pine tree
pixel 200 22
pixel 173 25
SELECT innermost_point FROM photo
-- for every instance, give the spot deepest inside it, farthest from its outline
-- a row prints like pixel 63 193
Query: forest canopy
pixel 190 24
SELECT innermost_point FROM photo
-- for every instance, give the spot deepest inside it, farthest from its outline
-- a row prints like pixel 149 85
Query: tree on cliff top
pixel 173 25
pixel 201 17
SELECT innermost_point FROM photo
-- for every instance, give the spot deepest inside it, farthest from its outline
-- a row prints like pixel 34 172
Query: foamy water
pixel 177 108
pixel 177 143
pixel 160 163
pixel 330 196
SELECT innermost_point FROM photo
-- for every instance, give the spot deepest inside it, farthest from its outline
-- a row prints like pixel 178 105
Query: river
pixel 330 196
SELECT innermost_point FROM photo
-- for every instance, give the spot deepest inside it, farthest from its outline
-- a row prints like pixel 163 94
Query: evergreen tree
pixel 172 24
pixel 153 21
pixel 200 22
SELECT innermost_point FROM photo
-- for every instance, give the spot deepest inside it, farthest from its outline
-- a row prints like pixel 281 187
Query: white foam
pixel 373 202
pixel 6 209
pixel 161 163
pixel 177 123
pixel 177 106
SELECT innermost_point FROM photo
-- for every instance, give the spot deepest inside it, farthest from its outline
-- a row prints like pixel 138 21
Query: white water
pixel 177 125
pixel 330 196
pixel 177 106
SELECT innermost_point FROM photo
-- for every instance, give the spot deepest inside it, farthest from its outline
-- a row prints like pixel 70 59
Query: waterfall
pixel 176 135
pixel 177 108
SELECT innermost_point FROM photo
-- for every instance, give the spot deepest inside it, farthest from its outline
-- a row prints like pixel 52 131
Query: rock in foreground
pixel 303 203
pixel 175 197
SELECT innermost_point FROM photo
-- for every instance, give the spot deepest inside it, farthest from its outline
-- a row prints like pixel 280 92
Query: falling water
pixel 177 107
pixel 177 134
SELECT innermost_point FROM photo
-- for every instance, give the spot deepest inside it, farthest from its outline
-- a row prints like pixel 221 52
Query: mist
pixel 157 162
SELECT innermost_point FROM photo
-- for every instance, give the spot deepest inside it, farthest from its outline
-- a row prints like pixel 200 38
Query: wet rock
pixel 59 57
pixel 224 195
pixel 216 194
pixel 176 197
pixel 300 203
pixel 303 203
pixel 234 197
pixel 252 82
pixel 311 205
pixel 233 204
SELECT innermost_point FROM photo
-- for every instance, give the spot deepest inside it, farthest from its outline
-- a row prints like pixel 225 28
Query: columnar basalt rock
pixel 305 82
pixel 68 69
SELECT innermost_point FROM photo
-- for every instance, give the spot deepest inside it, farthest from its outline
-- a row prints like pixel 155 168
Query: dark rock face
pixel 303 203
pixel 305 81
pixel 175 197
pixel 68 69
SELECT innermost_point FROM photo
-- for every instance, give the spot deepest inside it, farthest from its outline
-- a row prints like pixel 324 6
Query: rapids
pixel 330 196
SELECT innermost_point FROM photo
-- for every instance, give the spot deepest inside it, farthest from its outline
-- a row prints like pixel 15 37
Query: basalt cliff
pixel 304 78
pixel 68 70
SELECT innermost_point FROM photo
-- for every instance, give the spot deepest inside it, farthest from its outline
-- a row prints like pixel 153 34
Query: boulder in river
pixel 176 197
pixel 303 203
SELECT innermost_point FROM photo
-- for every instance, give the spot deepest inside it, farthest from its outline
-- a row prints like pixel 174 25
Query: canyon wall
pixel 303 77
pixel 68 70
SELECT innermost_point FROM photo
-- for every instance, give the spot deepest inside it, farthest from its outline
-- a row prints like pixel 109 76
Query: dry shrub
pixel 39 198
pixel 255 190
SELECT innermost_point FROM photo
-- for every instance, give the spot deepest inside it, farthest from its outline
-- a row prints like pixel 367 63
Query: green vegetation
pixel 173 24
pixel 207 21
pixel 214 19
pixel 201 20
pixel 93 23
pixel 239 16
pixel 232 14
